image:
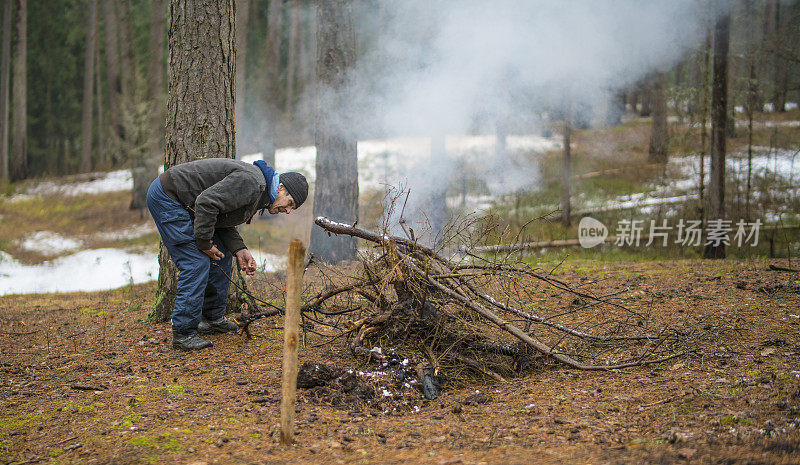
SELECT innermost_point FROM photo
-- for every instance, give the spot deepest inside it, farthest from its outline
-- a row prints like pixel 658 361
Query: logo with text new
pixel 591 232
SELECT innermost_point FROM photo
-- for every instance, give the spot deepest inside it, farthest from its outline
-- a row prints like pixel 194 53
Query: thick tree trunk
pixel 111 29
pixel 273 64
pixel 128 68
pixel 19 138
pixel 145 164
pixel 336 192
pixel 291 66
pixel 242 17
pixel 781 67
pixel 5 74
pixel 658 135
pixel 200 103
pixel 566 175
pixel 98 90
pixel 719 121
pixel 703 117
pixel 88 89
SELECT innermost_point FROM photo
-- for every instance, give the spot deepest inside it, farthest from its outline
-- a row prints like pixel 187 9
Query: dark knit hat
pixel 297 186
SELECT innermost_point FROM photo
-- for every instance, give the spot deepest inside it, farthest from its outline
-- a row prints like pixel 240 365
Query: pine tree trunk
pixel 719 121
pixel 98 90
pixel 128 62
pixel 781 67
pixel 200 103
pixel 5 74
pixel 242 17
pixel 291 66
pixel 145 164
pixel 111 29
pixel 436 207
pixel 658 135
pixel 88 89
pixel 566 176
pixel 19 140
pixel 273 63
pixel 336 192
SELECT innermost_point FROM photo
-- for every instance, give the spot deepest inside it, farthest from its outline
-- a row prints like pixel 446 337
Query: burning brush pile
pixel 426 319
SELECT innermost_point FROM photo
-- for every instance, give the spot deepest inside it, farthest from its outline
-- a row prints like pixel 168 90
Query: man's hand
pixel 246 262
pixel 214 253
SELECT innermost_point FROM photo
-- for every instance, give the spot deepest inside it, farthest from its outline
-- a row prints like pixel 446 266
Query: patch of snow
pixel 738 109
pixel 48 243
pixel 791 106
pixel 385 161
pixel 769 107
pixel 120 180
pixel 129 233
pixel 94 270
pixel 88 270
pixel 268 262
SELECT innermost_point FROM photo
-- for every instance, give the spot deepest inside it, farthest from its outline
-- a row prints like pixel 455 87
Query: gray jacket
pixel 220 193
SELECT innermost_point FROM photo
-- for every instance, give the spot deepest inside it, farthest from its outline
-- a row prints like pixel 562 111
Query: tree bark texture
pixel 719 121
pixel 128 62
pixel 144 165
pixel 19 138
pixel 336 191
pixel 88 88
pixel 200 104
pixel 242 17
pixel 5 74
pixel 273 81
pixel 658 135
pixel 291 66
pixel 111 29
pixel 98 91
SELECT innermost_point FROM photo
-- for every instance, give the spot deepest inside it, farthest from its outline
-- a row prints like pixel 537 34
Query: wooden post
pixel 291 325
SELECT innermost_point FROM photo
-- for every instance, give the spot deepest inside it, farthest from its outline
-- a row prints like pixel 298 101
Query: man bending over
pixel 196 207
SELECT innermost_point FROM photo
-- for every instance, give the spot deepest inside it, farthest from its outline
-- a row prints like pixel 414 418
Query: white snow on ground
pixel 48 243
pixel 89 270
pixel 99 183
pixel 783 164
pixel 129 233
pixel 267 262
pixel 386 161
pixel 93 270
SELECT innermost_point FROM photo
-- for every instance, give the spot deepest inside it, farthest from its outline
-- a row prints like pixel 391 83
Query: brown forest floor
pixel 736 402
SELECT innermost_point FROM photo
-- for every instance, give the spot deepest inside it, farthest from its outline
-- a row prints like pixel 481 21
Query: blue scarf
pixel 271 176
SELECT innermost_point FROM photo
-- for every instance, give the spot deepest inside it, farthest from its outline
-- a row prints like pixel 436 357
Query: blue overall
pixel 202 288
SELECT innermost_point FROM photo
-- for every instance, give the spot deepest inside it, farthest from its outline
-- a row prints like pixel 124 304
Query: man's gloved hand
pixel 214 253
pixel 246 262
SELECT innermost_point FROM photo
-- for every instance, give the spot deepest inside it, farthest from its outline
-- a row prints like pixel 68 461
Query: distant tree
pixel 719 120
pixel 780 64
pixel 111 29
pixel 336 190
pixel 566 175
pixel 102 161
pixel 291 66
pixel 273 78
pixel 128 62
pixel 5 72
pixel 242 18
pixel 88 88
pixel 145 134
pixel 200 103
pixel 19 142
pixel 659 138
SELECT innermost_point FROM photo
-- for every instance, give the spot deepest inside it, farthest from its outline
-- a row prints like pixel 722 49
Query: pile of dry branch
pixel 486 315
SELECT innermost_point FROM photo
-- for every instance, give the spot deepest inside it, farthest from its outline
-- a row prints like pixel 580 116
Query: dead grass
pixel 736 402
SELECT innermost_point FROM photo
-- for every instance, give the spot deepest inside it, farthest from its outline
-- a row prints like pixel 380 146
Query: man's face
pixel 284 203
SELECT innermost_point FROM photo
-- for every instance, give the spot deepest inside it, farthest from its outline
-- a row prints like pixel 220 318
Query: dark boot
pixel 221 325
pixel 189 342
